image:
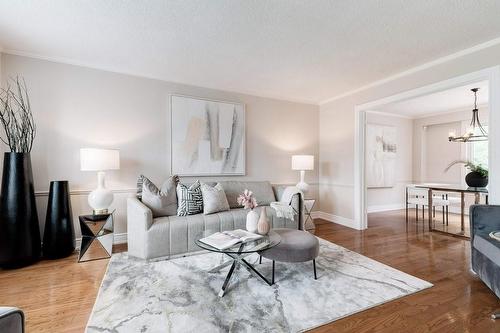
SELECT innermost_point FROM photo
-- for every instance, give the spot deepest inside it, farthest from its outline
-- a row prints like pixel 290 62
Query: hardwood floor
pixel 458 302
pixel 57 296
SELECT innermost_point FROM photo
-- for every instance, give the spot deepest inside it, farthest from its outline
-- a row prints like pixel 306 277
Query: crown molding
pixel 416 69
pixel 105 68
pixel 389 114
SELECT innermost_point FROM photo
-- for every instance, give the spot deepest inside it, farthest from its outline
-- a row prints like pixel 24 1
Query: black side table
pixel 97 236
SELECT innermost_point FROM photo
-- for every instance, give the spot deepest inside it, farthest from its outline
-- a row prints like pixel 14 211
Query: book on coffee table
pixel 226 239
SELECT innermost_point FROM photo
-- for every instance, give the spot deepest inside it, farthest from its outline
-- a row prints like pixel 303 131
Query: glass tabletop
pixel 453 188
pixel 266 242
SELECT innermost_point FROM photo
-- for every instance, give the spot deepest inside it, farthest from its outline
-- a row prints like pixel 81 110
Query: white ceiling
pixel 444 101
pixel 291 49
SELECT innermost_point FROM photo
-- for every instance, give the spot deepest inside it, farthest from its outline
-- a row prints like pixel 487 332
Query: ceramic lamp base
pixel 302 185
pixel 101 198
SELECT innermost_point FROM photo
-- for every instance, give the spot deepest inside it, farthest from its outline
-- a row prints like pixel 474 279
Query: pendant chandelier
pixel 476 132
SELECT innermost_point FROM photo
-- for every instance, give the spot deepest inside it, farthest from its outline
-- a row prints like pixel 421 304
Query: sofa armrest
pixel 11 320
pixel 297 203
pixel 139 220
pixel 484 218
pixel 139 216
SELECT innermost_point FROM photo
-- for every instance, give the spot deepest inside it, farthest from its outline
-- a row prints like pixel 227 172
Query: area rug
pixel 179 295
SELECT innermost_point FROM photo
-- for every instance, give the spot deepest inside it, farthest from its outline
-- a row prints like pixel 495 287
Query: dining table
pixel 462 190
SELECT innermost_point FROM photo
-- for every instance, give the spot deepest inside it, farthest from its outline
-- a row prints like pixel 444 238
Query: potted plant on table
pixel 247 200
pixel 19 229
pixel 478 175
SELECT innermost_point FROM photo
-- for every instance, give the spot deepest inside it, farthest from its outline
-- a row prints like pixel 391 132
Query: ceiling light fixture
pixel 472 135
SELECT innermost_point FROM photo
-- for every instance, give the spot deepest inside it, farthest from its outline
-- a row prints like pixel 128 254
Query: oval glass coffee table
pixel 237 254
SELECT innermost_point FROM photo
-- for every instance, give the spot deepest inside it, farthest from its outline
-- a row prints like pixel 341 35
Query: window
pixel 478 151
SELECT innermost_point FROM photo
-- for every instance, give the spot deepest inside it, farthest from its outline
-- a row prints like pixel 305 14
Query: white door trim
pixel 492 74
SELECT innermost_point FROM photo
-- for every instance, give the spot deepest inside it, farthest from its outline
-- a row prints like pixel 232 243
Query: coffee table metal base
pixel 238 260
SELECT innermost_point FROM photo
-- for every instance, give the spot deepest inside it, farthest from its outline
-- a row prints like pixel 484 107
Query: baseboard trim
pixel 120 238
pixel 385 208
pixel 334 218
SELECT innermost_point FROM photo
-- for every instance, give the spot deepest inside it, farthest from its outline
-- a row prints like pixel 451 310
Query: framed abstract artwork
pixel 381 150
pixel 207 137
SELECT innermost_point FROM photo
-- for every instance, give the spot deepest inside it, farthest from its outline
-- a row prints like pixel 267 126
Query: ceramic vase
pixel 20 243
pixel 252 221
pixel 263 225
pixel 59 232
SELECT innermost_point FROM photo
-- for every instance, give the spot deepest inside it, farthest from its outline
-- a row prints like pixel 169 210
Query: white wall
pixel 337 128
pixel 380 199
pixel 77 107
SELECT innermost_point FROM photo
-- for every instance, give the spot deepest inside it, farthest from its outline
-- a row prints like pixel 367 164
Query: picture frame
pixel 207 137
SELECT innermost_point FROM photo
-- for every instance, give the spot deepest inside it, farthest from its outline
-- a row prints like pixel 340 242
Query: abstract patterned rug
pixel 179 295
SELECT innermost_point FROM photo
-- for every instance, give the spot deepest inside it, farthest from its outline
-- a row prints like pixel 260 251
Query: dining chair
pixel 419 197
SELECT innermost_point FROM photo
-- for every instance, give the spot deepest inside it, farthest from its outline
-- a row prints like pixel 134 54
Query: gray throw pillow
pixel 214 199
pixel 163 201
pixel 190 199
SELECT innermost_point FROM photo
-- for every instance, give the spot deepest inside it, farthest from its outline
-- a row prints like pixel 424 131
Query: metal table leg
pixel 430 209
pixel 406 203
pixel 247 264
pixel 226 263
pixel 226 281
pixel 462 211
pixel 238 259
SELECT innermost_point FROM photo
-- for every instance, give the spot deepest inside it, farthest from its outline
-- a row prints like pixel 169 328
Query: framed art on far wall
pixel 381 150
pixel 207 137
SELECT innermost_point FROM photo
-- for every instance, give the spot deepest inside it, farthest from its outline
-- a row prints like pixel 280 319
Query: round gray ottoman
pixel 295 246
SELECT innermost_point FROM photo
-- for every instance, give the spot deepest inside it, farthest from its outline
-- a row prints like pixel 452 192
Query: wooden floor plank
pixel 58 295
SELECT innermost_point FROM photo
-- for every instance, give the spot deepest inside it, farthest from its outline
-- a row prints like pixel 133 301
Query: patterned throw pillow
pixel 190 199
pixel 214 199
pixel 162 201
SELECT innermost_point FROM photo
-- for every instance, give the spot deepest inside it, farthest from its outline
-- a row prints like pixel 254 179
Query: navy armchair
pixel 485 254
pixel 11 320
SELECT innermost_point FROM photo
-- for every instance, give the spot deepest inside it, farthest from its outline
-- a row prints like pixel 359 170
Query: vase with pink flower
pixel 247 200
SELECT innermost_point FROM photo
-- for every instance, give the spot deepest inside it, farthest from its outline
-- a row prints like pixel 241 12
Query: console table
pixel 477 191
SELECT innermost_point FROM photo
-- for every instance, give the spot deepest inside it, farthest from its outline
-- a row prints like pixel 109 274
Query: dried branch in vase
pixel 16 117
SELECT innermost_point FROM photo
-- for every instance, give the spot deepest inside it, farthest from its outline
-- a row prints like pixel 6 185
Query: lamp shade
pixel 303 162
pixel 94 159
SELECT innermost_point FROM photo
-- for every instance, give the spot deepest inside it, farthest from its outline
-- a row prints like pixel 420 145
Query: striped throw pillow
pixel 190 199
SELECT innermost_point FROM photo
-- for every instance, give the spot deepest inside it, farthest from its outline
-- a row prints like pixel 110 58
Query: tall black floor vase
pixel 19 229
pixel 59 233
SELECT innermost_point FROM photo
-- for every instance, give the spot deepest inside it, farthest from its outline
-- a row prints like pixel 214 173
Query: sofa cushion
pixel 214 199
pixel 190 199
pixel 163 201
pixel 262 191
pixel 174 235
pixel 488 246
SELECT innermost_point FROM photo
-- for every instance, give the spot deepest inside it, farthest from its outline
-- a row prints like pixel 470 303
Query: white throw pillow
pixel 214 199
pixel 163 201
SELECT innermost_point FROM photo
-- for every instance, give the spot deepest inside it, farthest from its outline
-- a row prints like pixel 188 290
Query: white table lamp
pixel 302 163
pixel 100 160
